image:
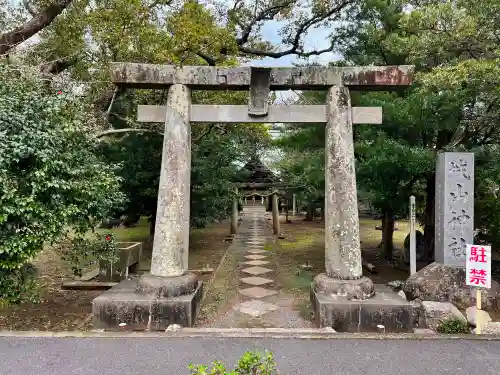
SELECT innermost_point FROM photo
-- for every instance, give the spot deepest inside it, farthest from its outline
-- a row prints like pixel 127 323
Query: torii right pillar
pixel 343 298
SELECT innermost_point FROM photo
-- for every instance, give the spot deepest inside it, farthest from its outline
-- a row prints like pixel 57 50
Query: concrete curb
pixel 273 333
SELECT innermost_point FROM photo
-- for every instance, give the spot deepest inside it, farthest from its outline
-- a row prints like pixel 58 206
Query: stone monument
pixel 444 280
pixel 454 207
pixel 170 294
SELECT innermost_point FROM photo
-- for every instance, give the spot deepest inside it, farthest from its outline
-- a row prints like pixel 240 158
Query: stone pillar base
pixel 357 289
pixel 150 303
pixel 336 305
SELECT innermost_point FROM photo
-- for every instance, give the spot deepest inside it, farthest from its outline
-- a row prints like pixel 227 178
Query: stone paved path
pixel 260 302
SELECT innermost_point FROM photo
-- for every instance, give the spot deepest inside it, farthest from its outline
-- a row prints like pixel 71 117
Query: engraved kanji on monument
pixel 454 209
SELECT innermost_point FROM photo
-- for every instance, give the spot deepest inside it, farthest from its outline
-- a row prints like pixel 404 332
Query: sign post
pixel 413 245
pixel 478 274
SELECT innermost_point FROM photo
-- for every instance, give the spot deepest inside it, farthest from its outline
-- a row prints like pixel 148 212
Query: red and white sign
pixel 478 266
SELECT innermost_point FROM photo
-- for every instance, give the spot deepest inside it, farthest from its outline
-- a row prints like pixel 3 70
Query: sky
pixel 315 39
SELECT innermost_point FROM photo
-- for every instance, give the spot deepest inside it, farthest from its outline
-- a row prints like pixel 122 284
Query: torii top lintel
pixel 137 75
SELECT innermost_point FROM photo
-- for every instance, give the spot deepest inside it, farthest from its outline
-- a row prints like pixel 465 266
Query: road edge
pixel 272 333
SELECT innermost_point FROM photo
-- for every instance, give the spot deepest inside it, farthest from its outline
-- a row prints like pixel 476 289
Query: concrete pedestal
pixel 123 304
pixel 343 315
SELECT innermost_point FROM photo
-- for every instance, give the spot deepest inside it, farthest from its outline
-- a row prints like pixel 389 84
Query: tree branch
pixel 204 134
pixel 210 61
pixel 303 27
pixel 29 8
pixel 126 130
pixel 59 65
pixel 41 20
pixel 263 15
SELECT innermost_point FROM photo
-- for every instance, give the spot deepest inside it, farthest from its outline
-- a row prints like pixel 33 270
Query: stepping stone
pixel 256 262
pixel 255 307
pixel 257 292
pixel 256 280
pixel 255 257
pixel 256 251
pixel 256 270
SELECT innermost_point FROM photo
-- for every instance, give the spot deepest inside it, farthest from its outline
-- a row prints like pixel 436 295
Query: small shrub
pixel 79 252
pixel 250 363
pixel 19 285
pixel 453 325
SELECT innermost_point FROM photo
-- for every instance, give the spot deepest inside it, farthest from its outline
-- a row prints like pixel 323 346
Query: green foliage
pixel 18 285
pixel 389 170
pixel 50 176
pixel 487 189
pixel 81 251
pixel 250 363
pixel 453 325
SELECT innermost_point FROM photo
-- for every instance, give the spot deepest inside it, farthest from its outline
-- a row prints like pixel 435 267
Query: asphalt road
pixel 170 356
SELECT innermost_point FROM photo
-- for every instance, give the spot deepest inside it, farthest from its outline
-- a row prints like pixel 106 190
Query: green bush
pixel 453 325
pixel 81 251
pixel 19 285
pixel 51 176
pixel 250 363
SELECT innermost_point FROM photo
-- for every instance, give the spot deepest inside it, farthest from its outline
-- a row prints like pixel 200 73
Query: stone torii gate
pixel 169 294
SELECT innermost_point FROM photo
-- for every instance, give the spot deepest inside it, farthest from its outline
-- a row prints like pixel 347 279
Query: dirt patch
pixel 61 310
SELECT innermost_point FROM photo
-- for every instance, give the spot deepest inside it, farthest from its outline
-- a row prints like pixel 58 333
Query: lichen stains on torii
pixel 219 78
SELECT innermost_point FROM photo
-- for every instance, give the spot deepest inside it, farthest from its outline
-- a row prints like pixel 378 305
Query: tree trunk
pixel 310 212
pixel 152 223
pixel 41 20
pixel 387 234
pixel 429 231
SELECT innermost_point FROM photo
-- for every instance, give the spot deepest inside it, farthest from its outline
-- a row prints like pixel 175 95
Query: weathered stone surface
pixel 256 251
pixel 402 294
pixel 418 316
pixel 358 289
pixel 234 216
pixel 296 114
pixel 454 207
pixel 472 313
pixel 255 257
pixel 260 82
pixel 396 285
pixel 255 308
pixel 256 280
pixel 121 304
pixel 424 331
pixel 171 239
pixel 310 77
pixel 420 246
pixel 276 215
pixel 385 308
pixel 256 262
pixel 257 292
pixel 438 282
pixel 492 328
pixel 165 287
pixel 256 270
pixel 436 312
pixel 342 244
pixel 130 254
pixel 256 242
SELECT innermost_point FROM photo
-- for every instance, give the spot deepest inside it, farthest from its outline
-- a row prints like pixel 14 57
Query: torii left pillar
pixel 168 294
pixel 234 213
